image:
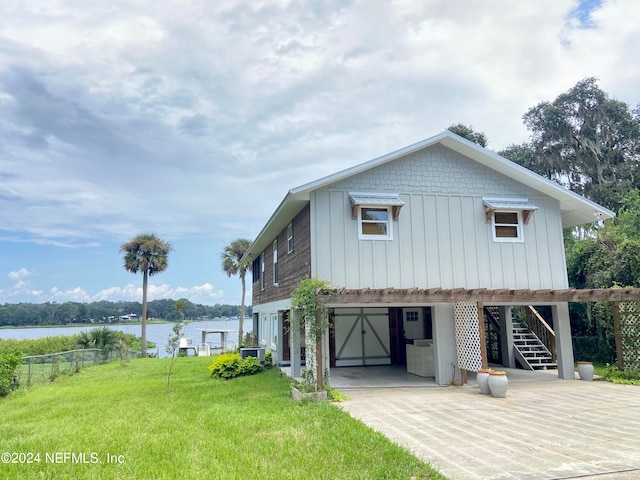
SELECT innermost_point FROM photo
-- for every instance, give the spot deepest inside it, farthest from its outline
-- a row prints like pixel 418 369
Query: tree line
pixel 104 312
pixel 588 142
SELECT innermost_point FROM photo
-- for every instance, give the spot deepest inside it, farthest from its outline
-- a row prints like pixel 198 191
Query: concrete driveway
pixel 543 430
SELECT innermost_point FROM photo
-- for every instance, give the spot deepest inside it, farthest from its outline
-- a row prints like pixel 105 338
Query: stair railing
pixel 492 333
pixel 541 328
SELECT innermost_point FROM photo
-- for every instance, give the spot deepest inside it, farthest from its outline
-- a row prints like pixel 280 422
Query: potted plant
pixel 498 383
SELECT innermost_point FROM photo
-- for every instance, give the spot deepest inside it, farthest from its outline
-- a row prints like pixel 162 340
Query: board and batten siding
pixel 441 239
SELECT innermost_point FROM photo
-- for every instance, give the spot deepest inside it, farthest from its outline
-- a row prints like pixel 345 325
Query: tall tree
pixel 232 264
pixel 587 141
pixel 148 254
pixel 467 131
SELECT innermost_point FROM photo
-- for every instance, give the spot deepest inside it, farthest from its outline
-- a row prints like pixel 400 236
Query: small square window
pixel 374 223
pixel 507 226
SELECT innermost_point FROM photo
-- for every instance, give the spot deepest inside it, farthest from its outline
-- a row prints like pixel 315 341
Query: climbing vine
pixel 309 311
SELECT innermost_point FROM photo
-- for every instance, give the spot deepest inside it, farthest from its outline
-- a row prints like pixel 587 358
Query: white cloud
pixel 120 117
pixel 205 294
pixel 19 275
pixel 168 112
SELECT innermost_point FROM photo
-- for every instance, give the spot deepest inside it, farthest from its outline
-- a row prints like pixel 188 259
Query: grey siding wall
pixel 441 238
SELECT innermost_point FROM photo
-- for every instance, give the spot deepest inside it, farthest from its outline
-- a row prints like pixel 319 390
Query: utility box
pixel 252 352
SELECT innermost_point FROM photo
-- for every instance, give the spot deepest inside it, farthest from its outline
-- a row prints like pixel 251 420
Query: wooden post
pixel 483 340
pixel 463 377
pixel 617 329
pixel 319 379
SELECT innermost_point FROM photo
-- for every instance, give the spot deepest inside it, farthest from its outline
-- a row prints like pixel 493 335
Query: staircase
pixel 530 352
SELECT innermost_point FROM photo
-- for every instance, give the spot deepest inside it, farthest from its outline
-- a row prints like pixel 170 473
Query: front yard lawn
pixel 114 422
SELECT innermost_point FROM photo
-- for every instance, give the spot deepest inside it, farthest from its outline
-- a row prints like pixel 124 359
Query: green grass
pixel 202 428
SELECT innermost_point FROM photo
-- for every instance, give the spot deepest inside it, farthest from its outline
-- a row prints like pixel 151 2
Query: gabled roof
pixel 575 209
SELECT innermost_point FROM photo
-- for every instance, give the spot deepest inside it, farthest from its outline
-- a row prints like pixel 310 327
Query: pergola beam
pixel 335 297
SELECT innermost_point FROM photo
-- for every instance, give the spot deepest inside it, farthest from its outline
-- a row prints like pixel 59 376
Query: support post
pixel 564 348
pixel 296 363
pixel 483 338
pixel 506 337
pixel 617 329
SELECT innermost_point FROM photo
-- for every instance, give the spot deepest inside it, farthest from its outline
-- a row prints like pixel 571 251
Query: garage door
pixel 361 336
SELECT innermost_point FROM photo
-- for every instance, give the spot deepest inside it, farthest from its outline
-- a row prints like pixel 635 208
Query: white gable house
pixel 407 238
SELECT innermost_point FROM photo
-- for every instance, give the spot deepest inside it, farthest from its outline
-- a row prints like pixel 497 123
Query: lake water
pixel 157 333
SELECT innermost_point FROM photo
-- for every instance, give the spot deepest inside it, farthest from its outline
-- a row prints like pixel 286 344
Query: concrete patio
pixel 545 429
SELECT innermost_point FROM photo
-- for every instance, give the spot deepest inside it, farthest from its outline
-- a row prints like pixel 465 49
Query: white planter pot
pixel 483 382
pixel 498 384
pixel 585 370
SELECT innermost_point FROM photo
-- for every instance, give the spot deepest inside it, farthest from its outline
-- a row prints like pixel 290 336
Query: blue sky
pixel 192 120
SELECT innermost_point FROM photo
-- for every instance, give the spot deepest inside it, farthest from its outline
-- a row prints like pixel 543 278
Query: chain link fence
pixel 46 368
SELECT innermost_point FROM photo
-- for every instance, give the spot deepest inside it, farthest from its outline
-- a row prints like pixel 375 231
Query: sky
pixel 192 119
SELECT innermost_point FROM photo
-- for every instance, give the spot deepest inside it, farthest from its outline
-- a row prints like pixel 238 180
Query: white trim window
pixel 274 329
pixel 275 262
pixel 507 217
pixel 507 226
pixel 375 213
pixel 374 223
pixel 290 238
pixel 262 270
pixel 263 330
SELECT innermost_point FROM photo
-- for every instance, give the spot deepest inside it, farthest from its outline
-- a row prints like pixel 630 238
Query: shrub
pixel 38 346
pixel 225 366
pixel 230 365
pixel 250 366
pixel 268 359
pixel 628 377
pixel 60 343
pixel 8 365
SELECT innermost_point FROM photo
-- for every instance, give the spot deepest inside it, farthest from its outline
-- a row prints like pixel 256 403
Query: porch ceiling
pixel 342 296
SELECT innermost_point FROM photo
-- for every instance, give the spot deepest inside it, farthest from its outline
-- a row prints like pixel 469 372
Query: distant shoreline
pixel 75 325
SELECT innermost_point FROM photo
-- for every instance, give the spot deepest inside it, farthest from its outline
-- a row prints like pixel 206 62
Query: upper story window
pixel 255 269
pixel 275 262
pixel 262 271
pixel 507 226
pixel 375 213
pixel 375 223
pixel 508 217
pixel 290 238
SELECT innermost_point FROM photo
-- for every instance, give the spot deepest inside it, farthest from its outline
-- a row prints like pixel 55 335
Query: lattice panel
pixel 630 334
pixel 468 336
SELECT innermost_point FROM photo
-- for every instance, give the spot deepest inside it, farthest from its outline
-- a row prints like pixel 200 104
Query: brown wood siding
pixel 292 267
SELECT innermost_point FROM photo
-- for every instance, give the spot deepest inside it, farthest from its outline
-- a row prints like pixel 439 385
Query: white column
pixel 506 337
pixel 444 343
pixel 294 340
pixel 564 347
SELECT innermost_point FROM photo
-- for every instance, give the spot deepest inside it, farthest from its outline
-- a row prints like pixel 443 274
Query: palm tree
pixel 148 254
pixel 232 264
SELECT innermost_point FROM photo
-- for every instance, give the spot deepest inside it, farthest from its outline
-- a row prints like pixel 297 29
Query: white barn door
pixel 362 336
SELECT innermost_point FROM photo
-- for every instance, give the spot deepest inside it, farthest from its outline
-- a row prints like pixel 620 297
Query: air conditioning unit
pixel 252 352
